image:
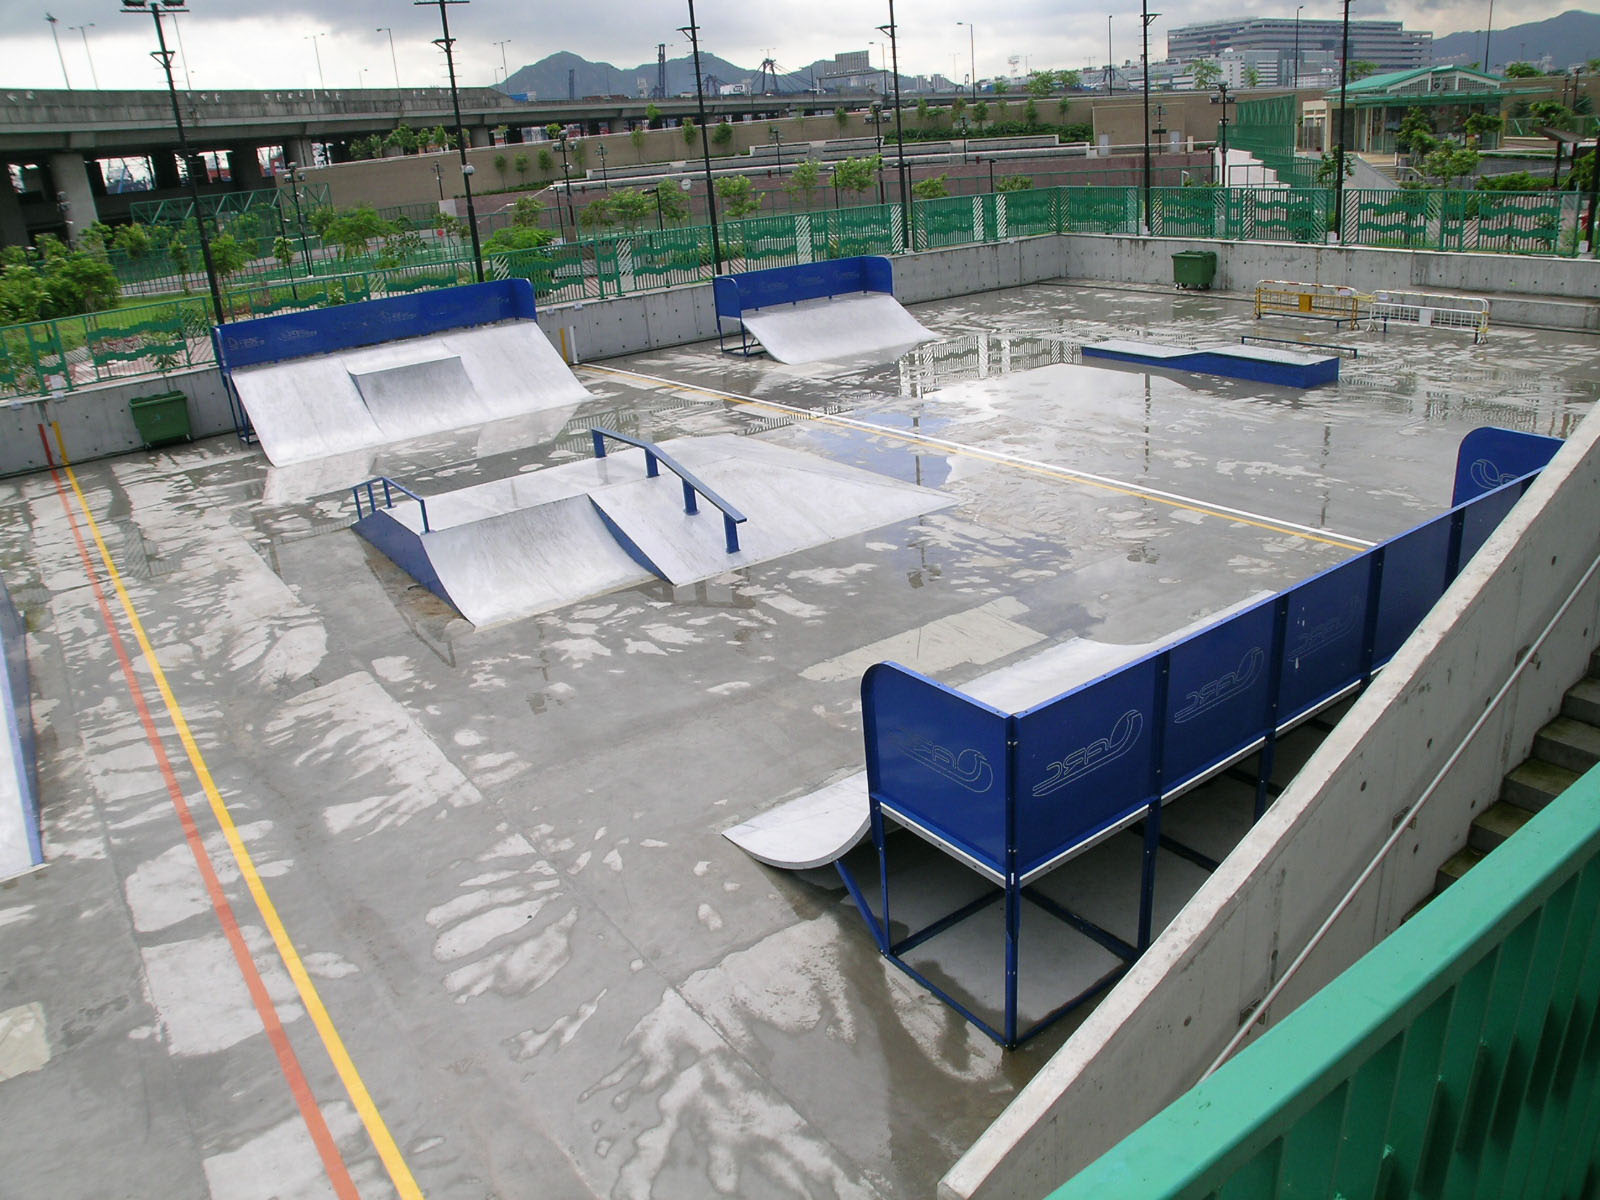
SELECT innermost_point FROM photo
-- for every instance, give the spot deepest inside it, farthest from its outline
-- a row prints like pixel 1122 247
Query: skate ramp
pixel 851 327
pixel 316 384
pixel 511 548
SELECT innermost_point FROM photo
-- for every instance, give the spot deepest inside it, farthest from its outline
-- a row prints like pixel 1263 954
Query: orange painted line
pixel 332 1161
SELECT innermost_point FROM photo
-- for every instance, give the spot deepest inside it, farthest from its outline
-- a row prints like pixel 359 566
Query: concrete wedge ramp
pixel 870 324
pixel 315 407
pixel 514 547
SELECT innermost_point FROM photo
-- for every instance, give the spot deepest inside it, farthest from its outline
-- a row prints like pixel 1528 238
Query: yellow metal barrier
pixel 1317 301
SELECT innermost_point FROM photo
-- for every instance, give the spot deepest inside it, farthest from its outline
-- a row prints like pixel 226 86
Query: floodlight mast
pixel 164 57
pixel 447 44
pixel 693 31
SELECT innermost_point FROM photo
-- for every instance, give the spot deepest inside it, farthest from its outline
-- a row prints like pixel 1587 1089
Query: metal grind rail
pixel 654 455
pixel 388 498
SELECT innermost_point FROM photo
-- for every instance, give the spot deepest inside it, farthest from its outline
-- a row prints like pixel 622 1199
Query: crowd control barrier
pixel 1013 796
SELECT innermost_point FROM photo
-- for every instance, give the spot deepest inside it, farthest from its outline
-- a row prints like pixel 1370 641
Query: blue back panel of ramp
pixel 1240 363
pixel 16 711
pixel 1092 758
pixel 1489 457
pixel 372 322
pixel 750 290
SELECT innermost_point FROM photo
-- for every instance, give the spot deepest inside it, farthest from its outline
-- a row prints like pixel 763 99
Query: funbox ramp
pixel 513 547
pixel 839 327
pixel 326 404
pixel 820 827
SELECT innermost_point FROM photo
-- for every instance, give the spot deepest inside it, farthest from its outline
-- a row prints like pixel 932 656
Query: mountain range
pixel 548 78
pixel 1571 39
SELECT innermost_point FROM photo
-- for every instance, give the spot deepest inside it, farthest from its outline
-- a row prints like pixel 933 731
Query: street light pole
pixel 322 84
pixel 393 61
pixel 83 32
pixel 972 55
pixel 566 181
pixel 899 130
pixel 1111 79
pixel 447 44
pixel 505 71
pixel 1147 16
pixel 296 175
pixel 63 58
pixel 605 180
pixel 164 57
pixel 693 30
pixel 1294 78
pixel 1338 157
pixel 1223 89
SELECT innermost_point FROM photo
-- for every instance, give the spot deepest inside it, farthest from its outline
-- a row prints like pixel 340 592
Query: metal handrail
pixel 1401 825
pixel 388 499
pixel 1247 338
pixel 732 518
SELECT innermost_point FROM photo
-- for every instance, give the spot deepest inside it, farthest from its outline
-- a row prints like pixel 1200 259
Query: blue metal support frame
pixel 1013 796
pixel 732 518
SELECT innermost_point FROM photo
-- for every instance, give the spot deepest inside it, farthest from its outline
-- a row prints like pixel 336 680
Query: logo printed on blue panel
pixel 1320 636
pixel 1487 475
pixel 1224 687
pixel 969 768
pixel 1095 755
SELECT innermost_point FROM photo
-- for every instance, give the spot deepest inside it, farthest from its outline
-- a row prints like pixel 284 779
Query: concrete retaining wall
pixel 1166 1021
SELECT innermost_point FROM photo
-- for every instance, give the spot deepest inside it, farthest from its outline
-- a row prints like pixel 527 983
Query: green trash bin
pixel 1194 268
pixel 161 418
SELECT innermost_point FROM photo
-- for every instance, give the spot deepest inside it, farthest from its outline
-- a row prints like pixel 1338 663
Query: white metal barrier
pixel 1430 309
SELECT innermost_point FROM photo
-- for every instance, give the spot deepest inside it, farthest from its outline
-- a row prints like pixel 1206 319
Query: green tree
pixel 958 108
pixel 520 165
pixel 738 196
pixel 1252 77
pixel 596 215
pixel 722 134
pixel 1448 163
pixel 553 131
pixel 804 180
pixel 980 113
pixel 1030 113
pixel 1206 73
pixel 924 111
pixel 403 138
pixel 133 240
pixel 76 282
pixel 636 136
pixel 1476 125
pixel 652 114
pixel 178 256
pixel 547 162
pixel 1071 81
pixel 500 164
pixel 1522 70
pixel 857 175
pixel 22 294
pixel 1328 169
pixel 320 218
pixel 631 207
pixel 690 129
pixel 283 251
pixel 1550 113
pixel 228 255
pixel 352 230
pixel 1360 68
pixel 1001 87
pixel 841 117
pixel 1040 83
pixel 1013 183
pixel 517 237
pixel 671 202
pixel 527 212
pixel 931 189
pixel 1415 135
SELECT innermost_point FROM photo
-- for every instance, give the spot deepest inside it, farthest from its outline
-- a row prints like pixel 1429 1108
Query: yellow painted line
pixel 383 1142
pixel 1105 483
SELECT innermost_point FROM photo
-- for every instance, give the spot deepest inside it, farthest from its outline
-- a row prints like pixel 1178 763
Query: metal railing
pixel 732 518
pixel 388 498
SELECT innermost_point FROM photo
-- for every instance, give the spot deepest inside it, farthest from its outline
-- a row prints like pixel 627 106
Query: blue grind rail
pixel 389 487
pixel 732 518
pixel 1013 796
pixel 1283 368
pixel 747 291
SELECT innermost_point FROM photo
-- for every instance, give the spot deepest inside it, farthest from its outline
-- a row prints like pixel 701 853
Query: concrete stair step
pixel 1495 824
pixel 1568 743
pixel 1534 784
pixel 1582 702
pixel 1457 866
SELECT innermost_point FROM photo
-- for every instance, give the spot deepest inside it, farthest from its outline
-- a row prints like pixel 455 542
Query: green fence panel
pixel 1460 1057
pixel 1099 210
pixel 1405 219
pixel 951 221
pixel 1518 222
pixel 1028 213
pixel 756 243
pixel 1279 214
pixel 1187 212
pixel 852 232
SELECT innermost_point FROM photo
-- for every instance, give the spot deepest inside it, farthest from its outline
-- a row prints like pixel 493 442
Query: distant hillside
pixel 1568 40
pixel 547 79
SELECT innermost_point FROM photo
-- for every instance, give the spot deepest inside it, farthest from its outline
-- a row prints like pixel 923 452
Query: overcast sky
pixel 245 43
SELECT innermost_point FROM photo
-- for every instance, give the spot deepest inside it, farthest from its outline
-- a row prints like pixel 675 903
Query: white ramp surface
pixel 856 326
pixel 329 404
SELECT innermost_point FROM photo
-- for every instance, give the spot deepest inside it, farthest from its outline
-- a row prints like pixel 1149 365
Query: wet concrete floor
pixel 345 896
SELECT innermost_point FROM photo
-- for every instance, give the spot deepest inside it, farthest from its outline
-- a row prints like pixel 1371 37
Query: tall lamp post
pixel 164 57
pixel 566 181
pixel 322 84
pixel 693 30
pixel 605 180
pixel 1488 28
pixel 55 37
pixel 505 71
pixel 1222 89
pixel 447 44
pixel 1294 77
pixel 776 136
pixel 1147 17
pixel 972 56
pixel 296 177
pixel 1338 154
pixel 899 130
pixel 393 61
pixel 1111 79
pixel 83 32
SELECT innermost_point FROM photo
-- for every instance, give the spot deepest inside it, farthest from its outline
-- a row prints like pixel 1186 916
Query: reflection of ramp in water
pixel 870 323
pixel 353 399
pixel 544 539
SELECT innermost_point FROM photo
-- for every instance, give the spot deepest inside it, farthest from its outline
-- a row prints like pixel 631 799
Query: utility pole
pixel 447 44
pixel 693 31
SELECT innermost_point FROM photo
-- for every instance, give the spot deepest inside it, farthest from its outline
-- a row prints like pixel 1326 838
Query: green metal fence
pixel 75 352
pixel 1460 1057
